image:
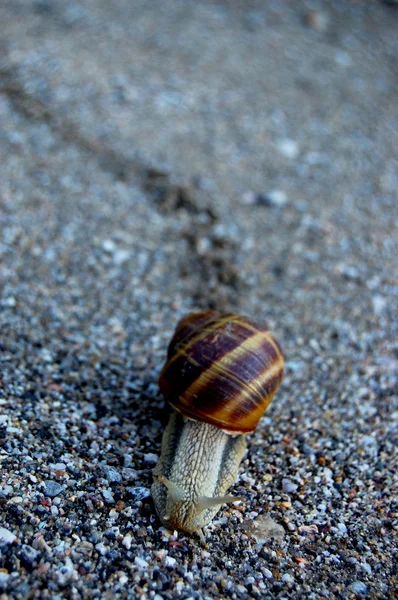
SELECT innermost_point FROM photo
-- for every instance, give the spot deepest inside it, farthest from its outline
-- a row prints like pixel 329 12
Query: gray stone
pixel 51 488
pixel 112 474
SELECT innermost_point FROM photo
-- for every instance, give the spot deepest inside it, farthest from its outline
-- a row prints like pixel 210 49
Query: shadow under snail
pixel 220 375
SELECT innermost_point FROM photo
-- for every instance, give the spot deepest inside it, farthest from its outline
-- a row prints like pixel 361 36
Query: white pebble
pixel 108 245
pixel 16 500
pixel 6 536
pixel 287 578
pixel 170 561
pixel 166 533
pixel 262 528
pixel 359 588
pixel 288 486
pixel 108 496
pixel 68 569
pixel 150 458
pixel 249 197
pixel 101 548
pixel 10 301
pixel 247 479
pixel 309 530
pixel 267 573
pixel 367 568
pixel 121 256
pixel 58 466
pixel 342 58
pixel 342 527
pixel 140 562
pixel 379 304
pixel 277 197
pixel 368 440
pixel 288 148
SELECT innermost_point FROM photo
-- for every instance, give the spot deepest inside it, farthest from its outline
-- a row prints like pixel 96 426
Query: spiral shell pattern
pixel 222 369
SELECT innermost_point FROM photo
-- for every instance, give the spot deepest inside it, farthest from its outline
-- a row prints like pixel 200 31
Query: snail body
pixel 220 375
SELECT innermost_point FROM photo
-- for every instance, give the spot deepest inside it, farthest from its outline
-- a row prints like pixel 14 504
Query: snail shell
pixel 220 375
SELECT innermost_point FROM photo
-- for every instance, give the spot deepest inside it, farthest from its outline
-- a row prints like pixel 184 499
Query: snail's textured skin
pixel 221 373
pixel 203 462
pixel 222 369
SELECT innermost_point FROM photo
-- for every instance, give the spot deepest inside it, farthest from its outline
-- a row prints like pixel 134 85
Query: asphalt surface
pixel 158 158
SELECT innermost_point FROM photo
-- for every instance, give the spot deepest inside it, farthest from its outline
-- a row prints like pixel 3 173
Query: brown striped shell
pixel 222 369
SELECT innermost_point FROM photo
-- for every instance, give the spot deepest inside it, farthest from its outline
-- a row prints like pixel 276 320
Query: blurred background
pixel 159 157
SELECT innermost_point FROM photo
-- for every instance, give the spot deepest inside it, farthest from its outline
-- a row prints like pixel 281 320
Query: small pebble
pixel 379 304
pixel 247 479
pixel 288 148
pixel 316 19
pixel 16 500
pixel 51 488
pixel 29 554
pixel 138 493
pixel 108 496
pixel 140 562
pixel 249 197
pixel 101 548
pixel 367 568
pixel 58 466
pixel 10 302
pixel 109 246
pixel 308 530
pixel 39 543
pixel 151 458
pixel 368 440
pixel 169 561
pixel 342 58
pixel 267 573
pixel 288 486
pixel 276 198
pixel 342 527
pixel 358 587
pixel 112 474
pixel 6 536
pixel 127 541
pixel 262 528
pixel 121 256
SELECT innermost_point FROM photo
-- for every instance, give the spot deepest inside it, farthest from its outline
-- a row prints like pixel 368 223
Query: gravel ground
pixel 157 158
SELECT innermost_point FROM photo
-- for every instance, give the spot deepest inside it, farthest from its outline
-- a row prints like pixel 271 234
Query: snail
pixel 220 375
